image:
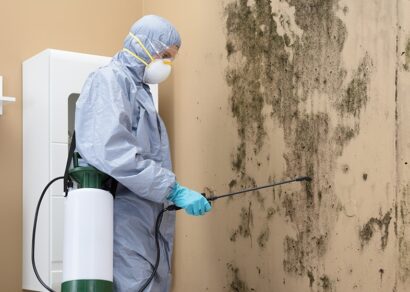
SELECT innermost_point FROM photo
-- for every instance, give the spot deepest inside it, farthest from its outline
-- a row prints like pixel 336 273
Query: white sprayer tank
pixel 88 241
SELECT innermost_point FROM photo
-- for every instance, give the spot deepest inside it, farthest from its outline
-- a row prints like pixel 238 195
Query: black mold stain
pixel 270 212
pixel 294 262
pixel 264 77
pixel 404 243
pixel 345 168
pixel 407 55
pixel 366 233
pixel 259 270
pixel 396 219
pixel 325 283
pixel 290 210
pixel 321 244
pixel 238 162
pixel 356 97
pixel 311 278
pixel 346 10
pixel 237 284
pixel 350 104
pixel 245 225
pixel 404 259
pixel 381 272
pixel 309 133
pixel 232 184
pixel 341 137
pixel 264 237
pixel 229 48
pixel 209 192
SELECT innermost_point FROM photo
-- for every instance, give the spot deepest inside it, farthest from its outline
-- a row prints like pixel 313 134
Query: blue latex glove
pixel 193 202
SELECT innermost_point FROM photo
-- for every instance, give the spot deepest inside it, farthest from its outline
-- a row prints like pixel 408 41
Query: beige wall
pixel 328 88
pixel 26 28
pixel 325 82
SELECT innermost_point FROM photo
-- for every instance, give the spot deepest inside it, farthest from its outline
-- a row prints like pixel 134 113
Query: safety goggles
pixel 163 51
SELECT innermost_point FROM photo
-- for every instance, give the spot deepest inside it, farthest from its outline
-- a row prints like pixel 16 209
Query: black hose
pixel 157 233
pixel 33 238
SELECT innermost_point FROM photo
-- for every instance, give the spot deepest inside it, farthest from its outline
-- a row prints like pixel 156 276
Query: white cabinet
pixel 52 81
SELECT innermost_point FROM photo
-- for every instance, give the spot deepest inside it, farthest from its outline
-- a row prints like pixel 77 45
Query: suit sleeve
pixel 105 140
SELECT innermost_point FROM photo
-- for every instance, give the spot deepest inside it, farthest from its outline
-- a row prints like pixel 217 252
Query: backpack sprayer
pixel 88 227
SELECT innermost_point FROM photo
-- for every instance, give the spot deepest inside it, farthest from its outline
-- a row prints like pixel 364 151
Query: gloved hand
pixel 193 202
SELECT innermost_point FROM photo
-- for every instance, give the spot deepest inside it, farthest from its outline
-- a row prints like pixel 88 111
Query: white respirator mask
pixel 158 70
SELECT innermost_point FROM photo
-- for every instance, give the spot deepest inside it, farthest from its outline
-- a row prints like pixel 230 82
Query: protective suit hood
pixel 149 28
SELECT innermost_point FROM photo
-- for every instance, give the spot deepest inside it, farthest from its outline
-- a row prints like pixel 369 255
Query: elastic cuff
pixel 173 192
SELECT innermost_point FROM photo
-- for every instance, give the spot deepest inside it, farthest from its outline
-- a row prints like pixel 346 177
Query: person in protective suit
pixel 119 131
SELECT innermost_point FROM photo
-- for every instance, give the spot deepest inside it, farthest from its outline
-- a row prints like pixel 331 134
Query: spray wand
pixel 214 198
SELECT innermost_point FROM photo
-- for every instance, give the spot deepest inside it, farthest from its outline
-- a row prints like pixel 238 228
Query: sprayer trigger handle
pixel 173 208
pixel 204 195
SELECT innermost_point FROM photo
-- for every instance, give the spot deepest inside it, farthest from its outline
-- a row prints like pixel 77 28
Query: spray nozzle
pixel 304 178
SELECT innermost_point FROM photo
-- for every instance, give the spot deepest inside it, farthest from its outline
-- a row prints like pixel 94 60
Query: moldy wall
pixel 265 90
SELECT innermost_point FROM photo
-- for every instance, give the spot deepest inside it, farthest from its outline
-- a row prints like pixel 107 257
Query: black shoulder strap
pixel 68 183
pixel 113 188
